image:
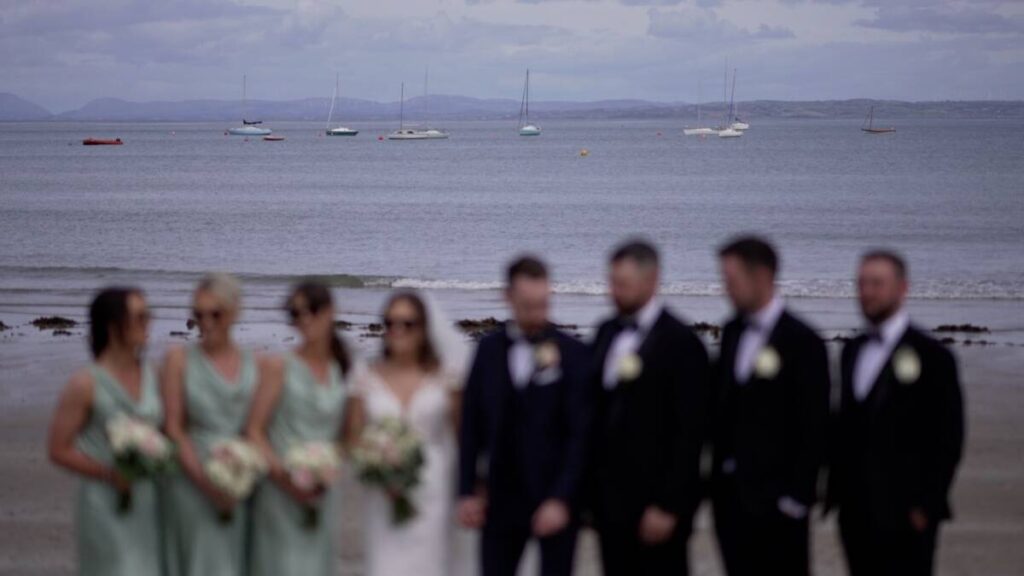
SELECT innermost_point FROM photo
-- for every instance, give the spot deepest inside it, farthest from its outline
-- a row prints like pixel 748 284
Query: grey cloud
pixel 705 26
pixel 944 20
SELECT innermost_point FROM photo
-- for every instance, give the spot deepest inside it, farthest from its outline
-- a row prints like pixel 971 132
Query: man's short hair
pixel 642 252
pixel 526 266
pixel 891 256
pixel 753 251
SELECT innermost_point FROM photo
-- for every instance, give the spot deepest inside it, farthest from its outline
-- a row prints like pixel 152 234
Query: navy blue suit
pixel 523 446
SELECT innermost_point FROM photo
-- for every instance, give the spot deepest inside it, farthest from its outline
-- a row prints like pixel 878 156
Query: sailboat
pixel 698 131
pixel 869 124
pixel 340 130
pixel 404 133
pixel 248 127
pixel 527 129
pixel 737 124
pixel 730 131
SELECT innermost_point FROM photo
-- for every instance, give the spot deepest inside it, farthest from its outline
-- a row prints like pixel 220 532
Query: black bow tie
pixel 873 335
pixel 535 338
pixel 627 323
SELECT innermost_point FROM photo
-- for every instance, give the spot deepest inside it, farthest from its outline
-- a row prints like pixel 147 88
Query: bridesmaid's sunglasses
pixel 296 313
pixel 215 315
pixel 406 324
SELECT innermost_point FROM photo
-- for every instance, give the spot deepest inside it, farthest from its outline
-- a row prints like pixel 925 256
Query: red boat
pixel 101 142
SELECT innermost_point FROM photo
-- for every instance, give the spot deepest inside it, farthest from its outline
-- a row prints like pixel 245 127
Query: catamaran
pixel 869 124
pixel 248 127
pixel 340 130
pixel 525 127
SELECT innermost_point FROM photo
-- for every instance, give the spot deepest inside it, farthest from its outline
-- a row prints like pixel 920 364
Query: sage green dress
pixel 282 543
pixel 199 542
pixel 111 542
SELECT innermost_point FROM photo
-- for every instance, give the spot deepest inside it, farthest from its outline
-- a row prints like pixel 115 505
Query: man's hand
pixel 918 519
pixel 550 518
pixel 656 525
pixel 472 511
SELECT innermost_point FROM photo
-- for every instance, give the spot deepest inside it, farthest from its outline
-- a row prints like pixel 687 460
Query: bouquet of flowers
pixel 140 452
pixel 312 466
pixel 389 456
pixel 234 467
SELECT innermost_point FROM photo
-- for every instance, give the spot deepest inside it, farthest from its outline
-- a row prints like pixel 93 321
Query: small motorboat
pixel 273 138
pixel 102 142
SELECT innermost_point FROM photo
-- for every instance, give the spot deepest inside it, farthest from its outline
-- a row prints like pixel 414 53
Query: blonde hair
pixel 224 286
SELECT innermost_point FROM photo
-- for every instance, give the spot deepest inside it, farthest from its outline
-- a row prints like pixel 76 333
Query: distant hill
pixel 16 109
pixel 443 107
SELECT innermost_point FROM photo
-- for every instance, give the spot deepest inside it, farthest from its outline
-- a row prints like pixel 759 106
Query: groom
pixel 649 389
pixel 523 433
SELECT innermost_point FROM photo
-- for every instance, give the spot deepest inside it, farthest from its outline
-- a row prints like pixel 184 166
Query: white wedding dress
pixel 423 545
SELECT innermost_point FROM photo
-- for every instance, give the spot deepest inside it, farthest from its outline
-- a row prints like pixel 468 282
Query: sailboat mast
pixel 330 115
pixel 700 96
pixel 426 95
pixel 527 94
pixel 732 98
pixel 244 110
pixel 522 104
pixel 401 109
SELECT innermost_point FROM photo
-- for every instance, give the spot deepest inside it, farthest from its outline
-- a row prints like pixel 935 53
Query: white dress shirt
pixel 759 328
pixel 875 353
pixel 629 340
pixel 522 361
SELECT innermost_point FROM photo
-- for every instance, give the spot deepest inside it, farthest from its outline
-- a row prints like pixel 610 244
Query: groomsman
pixel 650 382
pixel 771 406
pixel 524 420
pixel 899 432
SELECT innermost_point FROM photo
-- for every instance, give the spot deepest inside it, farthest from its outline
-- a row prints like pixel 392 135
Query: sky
pixel 63 53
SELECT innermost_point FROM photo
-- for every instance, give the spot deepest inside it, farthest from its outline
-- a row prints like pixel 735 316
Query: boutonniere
pixel 630 367
pixel 768 363
pixel 547 355
pixel 906 365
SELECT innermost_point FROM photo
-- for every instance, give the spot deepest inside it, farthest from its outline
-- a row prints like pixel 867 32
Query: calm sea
pixel 178 199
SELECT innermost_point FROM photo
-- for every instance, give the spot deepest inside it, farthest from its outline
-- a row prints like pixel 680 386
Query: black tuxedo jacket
pixel 899 448
pixel 648 432
pixel 774 426
pixel 532 442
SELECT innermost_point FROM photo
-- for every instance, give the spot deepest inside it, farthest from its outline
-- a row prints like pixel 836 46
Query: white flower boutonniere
pixel 547 355
pixel 906 365
pixel 630 367
pixel 768 363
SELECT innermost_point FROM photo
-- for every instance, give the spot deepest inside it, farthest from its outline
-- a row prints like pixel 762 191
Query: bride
pixel 418 378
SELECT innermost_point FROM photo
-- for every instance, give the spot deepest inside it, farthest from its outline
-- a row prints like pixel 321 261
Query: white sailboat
pixel 730 131
pixel 737 124
pixel 248 127
pixel 525 127
pixel 339 130
pixel 404 133
pixel 699 131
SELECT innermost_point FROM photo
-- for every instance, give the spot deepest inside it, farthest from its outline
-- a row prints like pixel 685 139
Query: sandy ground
pixel 36 536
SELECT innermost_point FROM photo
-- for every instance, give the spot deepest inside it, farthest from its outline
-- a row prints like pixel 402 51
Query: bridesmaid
pixel 206 390
pixel 110 542
pixel 300 399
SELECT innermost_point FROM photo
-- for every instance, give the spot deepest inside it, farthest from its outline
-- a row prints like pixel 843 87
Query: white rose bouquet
pixel 389 456
pixel 140 452
pixel 312 466
pixel 233 467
